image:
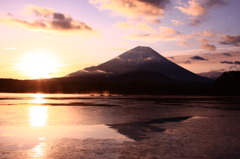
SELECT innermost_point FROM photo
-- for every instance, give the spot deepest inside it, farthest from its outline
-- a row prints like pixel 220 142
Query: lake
pixel 115 126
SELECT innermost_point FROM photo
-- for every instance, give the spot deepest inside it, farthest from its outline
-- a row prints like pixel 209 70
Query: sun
pixel 39 64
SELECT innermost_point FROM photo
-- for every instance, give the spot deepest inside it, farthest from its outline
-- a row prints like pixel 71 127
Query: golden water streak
pixel 38 114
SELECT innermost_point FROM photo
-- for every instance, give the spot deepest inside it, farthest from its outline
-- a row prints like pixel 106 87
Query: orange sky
pixel 73 34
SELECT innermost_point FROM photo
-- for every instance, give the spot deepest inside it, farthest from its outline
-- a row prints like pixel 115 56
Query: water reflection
pixel 138 130
pixel 32 125
pixel 38 116
pixel 38 151
pixel 38 98
pixel 27 125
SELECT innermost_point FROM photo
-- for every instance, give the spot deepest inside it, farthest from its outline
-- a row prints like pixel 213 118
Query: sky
pixel 44 39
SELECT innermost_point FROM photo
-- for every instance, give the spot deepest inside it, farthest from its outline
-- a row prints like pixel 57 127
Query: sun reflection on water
pixel 38 114
pixel 38 151
pixel 38 118
pixel 38 98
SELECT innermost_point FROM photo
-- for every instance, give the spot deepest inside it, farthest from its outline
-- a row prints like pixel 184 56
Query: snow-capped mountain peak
pixel 146 59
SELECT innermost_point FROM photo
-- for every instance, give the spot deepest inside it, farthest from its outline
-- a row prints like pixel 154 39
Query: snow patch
pixel 148 59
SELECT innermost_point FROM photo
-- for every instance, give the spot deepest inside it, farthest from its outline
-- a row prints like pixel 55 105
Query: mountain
pixel 228 83
pixel 212 74
pixel 144 59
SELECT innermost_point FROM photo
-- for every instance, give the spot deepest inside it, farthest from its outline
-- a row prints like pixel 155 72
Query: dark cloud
pixel 227 62
pixel 60 21
pixel 198 58
pixel 48 19
pixel 187 62
pixel 231 62
pixel 237 62
pixel 208 47
pixel 157 3
pixel 231 40
pixel 215 3
pixel 156 21
pixel 227 54
pixel 58 16
pixel 194 21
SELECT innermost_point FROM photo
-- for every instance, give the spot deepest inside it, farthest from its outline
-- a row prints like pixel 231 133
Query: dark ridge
pixel 227 84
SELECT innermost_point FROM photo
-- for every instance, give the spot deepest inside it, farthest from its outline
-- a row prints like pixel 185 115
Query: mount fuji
pixel 140 70
pixel 140 62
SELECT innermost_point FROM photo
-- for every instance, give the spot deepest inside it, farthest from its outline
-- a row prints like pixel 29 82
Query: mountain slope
pixel 145 59
pixel 140 76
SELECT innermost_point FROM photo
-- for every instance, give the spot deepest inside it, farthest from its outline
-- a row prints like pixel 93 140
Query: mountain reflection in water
pixel 137 130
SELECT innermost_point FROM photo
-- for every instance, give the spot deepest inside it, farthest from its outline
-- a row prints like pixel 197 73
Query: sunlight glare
pixel 38 151
pixel 39 64
pixel 38 98
pixel 38 116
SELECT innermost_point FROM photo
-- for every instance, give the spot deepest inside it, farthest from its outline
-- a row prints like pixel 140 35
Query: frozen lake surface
pixel 84 126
